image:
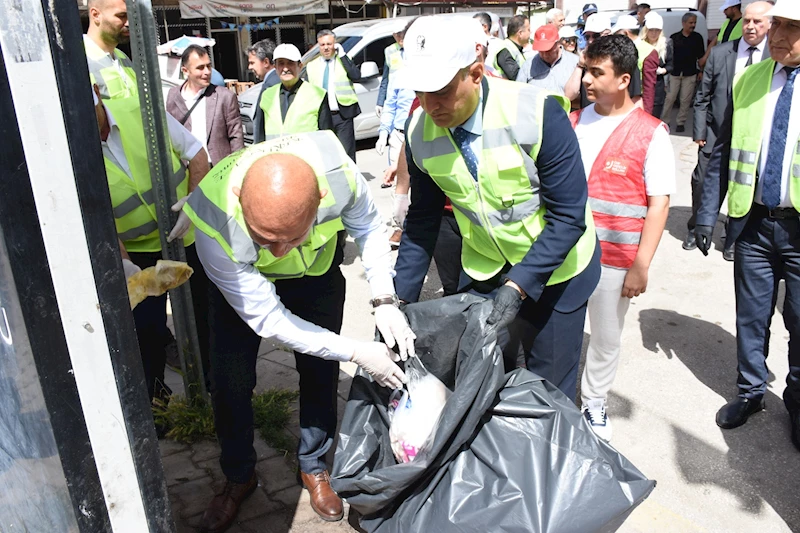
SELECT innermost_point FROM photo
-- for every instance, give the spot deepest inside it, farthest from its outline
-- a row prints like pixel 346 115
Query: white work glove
pixel 394 328
pixel 383 140
pixel 378 110
pixel 375 358
pixel 130 268
pixel 339 49
pixel 400 203
pixel 184 223
pixel 661 71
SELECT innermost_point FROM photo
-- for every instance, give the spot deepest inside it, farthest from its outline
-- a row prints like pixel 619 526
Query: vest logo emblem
pixel 616 166
pixel 420 43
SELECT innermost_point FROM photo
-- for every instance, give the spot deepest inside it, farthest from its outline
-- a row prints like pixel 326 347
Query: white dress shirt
pixel 331 88
pixel 793 134
pixel 123 76
pixel 183 142
pixel 254 297
pixel 198 115
pixel 744 54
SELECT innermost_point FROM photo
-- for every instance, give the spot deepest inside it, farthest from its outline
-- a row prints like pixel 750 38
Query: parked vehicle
pixel 364 43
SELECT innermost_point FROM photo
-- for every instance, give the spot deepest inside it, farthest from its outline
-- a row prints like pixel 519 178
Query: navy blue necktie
pixel 463 139
pixel 773 169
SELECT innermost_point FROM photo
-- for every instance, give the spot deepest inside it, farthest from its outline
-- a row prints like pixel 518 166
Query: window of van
pixel 373 52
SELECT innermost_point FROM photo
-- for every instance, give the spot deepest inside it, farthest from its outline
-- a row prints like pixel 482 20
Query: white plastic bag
pixel 414 413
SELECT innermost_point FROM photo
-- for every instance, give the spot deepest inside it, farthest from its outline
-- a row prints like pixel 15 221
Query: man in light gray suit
pixel 725 61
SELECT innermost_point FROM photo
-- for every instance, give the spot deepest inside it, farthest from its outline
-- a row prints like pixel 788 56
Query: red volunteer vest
pixel 617 193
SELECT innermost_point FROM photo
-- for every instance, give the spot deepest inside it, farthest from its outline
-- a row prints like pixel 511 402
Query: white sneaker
pixel 595 414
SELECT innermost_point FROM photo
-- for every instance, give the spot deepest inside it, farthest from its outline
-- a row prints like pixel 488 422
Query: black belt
pixel 401 131
pixel 334 112
pixel 779 213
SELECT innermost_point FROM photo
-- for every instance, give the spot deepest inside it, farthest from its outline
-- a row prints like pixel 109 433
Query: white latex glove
pixel 383 140
pixel 130 268
pixel 184 223
pixel 661 70
pixel 378 110
pixel 392 324
pixel 400 203
pixel 375 358
pixel 339 50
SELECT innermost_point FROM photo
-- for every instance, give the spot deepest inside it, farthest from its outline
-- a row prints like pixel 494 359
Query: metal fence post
pixel 151 99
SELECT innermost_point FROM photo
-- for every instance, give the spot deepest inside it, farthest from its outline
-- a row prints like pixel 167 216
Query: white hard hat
pixel 730 3
pixel 436 48
pixel 788 9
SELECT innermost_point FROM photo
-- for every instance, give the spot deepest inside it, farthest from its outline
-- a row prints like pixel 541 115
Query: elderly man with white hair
pixel 555 17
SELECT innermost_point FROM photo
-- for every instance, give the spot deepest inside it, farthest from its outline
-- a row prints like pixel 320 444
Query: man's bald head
pixel 280 196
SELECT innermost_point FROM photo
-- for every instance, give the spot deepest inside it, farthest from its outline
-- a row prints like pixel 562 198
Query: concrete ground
pixel 678 367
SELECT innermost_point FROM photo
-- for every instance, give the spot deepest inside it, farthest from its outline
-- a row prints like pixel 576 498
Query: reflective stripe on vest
pixel 750 90
pixel 302 115
pixel 500 215
pixel 617 192
pixel 132 196
pixel 393 57
pixel 216 211
pixel 115 81
pixel 512 48
pixel 345 92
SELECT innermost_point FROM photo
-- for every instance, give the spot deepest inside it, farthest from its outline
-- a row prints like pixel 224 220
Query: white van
pixel 364 43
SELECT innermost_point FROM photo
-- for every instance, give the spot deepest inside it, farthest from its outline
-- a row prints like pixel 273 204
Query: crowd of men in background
pixel 571 157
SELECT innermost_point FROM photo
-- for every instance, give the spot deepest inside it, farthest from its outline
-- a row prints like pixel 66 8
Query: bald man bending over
pixel 268 221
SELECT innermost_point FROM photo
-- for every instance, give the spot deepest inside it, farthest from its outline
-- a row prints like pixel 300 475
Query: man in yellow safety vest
pixel 109 68
pixel 756 160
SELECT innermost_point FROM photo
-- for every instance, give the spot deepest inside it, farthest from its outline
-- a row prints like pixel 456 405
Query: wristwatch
pixel 385 299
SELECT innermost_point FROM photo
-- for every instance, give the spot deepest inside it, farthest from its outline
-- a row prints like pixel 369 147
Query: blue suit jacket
pixel 563 194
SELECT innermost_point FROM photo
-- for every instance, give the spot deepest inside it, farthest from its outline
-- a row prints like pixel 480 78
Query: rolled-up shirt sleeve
pixel 184 143
pixel 254 299
pixel 364 224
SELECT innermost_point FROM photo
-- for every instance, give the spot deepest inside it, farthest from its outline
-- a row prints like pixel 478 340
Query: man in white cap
pixel 505 155
pixel 293 106
pixel 756 160
pixel 648 61
pixel 713 98
pixel 392 61
pixel 732 27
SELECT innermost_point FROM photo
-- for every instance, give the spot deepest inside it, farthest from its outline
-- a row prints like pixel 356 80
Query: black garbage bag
pixel 511 453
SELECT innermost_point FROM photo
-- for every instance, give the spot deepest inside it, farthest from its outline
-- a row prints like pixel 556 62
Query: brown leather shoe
pixel 223 508
pixel 325 502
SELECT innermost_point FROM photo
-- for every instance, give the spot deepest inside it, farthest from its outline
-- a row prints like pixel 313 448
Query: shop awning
pixel 192 9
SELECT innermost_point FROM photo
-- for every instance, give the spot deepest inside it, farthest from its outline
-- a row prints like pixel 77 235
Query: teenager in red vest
pixel 630 167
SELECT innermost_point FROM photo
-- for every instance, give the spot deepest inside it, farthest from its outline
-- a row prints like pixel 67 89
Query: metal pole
pixel 151 99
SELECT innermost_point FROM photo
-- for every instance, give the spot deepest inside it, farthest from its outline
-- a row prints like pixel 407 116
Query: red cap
pixel 545 38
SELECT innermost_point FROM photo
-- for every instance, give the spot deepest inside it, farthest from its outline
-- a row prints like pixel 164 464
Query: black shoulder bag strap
pixel 207 91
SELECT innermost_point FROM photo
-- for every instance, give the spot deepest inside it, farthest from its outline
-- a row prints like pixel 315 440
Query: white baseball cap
pixel 654 21
pixel 286 51
pixel 730 3
pixel 567 32
pixel 625 22
pixel 597 23
pixel 436 48
pixel 788 9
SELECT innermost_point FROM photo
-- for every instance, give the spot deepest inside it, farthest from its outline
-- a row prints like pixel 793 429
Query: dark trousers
pixel 345 131
pixel 767 251
pixel 234 349
pixel 545 341
pixel 447 253
pixel 150 317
